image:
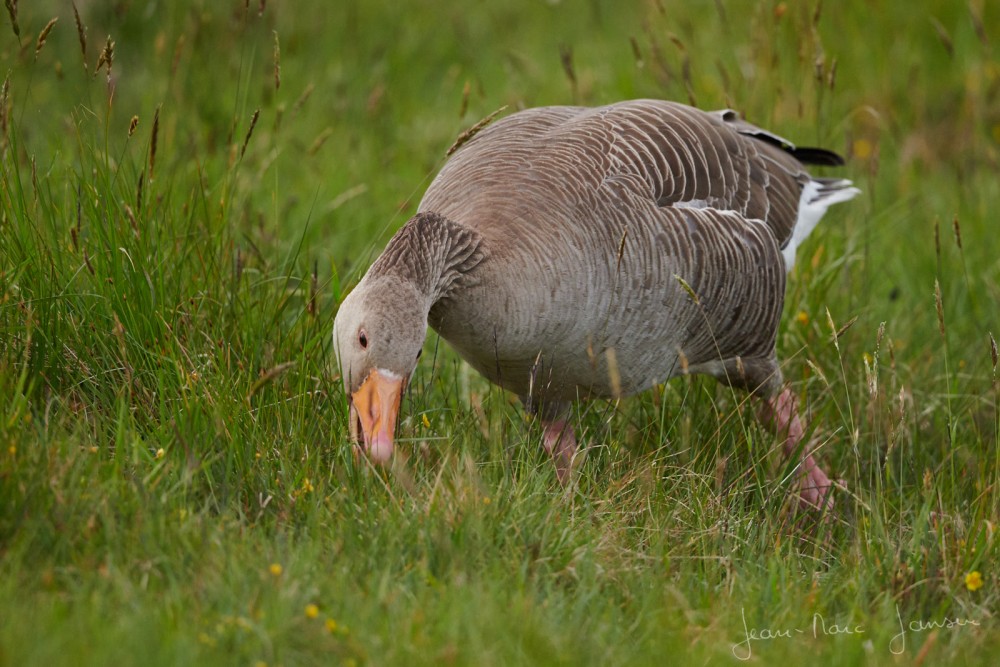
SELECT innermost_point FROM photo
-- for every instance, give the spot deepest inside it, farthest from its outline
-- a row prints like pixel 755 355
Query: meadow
pixel 188 189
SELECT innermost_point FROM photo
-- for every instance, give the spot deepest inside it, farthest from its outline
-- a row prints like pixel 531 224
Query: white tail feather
pixel 817 197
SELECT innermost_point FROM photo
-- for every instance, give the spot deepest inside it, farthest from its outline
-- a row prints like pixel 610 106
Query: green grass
pixel 171 426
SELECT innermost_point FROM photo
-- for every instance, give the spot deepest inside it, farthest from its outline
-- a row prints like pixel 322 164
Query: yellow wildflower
pixel 275 569
pixel 427 422
pixel 160 453
pixel 312 611
pixel 862 149
pixel 974 580
pixel 802 317
pixel 331 625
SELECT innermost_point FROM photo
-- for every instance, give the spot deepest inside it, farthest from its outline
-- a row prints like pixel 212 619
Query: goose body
pixel 570 252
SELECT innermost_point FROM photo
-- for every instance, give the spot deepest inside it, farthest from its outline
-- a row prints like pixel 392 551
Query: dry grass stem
pixel 267 377
pixel 833 330
pixel 621 251
pixel 614 376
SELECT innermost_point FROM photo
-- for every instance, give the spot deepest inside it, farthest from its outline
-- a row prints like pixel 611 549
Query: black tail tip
pixel 817 156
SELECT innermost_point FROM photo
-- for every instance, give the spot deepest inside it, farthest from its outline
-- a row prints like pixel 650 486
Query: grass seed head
pixel 130 214
pixel 473 131
pixel 152 142
pixel 178 50
pixel 302 98
pixel 138 191
pixel 44 35
pixel 937 239
pixel 993 351
pixel 12 10
pixel 5 107
pixel 683 283
pixel 636 53
pixel 939 304
pixel 313 290
pixel 106 58
pixel 319 141
pixel 277 62
pixel 253 124
pixel 132 124
pixel 465 99
pixel 566 58
pixel 81 33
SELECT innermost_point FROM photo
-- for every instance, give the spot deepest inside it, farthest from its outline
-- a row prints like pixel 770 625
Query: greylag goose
pixel 570 252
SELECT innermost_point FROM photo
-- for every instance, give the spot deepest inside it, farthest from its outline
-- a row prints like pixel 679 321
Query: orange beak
pixel 374 408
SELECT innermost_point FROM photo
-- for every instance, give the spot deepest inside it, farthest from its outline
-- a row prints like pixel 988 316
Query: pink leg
pixel 560 441
pixel 780 413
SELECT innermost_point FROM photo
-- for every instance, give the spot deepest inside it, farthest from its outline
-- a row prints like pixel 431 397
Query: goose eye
pixel 363 339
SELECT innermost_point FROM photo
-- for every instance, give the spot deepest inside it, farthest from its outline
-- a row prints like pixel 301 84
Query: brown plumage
pixel 570 252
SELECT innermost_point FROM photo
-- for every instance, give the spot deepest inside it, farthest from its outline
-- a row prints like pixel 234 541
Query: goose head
pixel 378 334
